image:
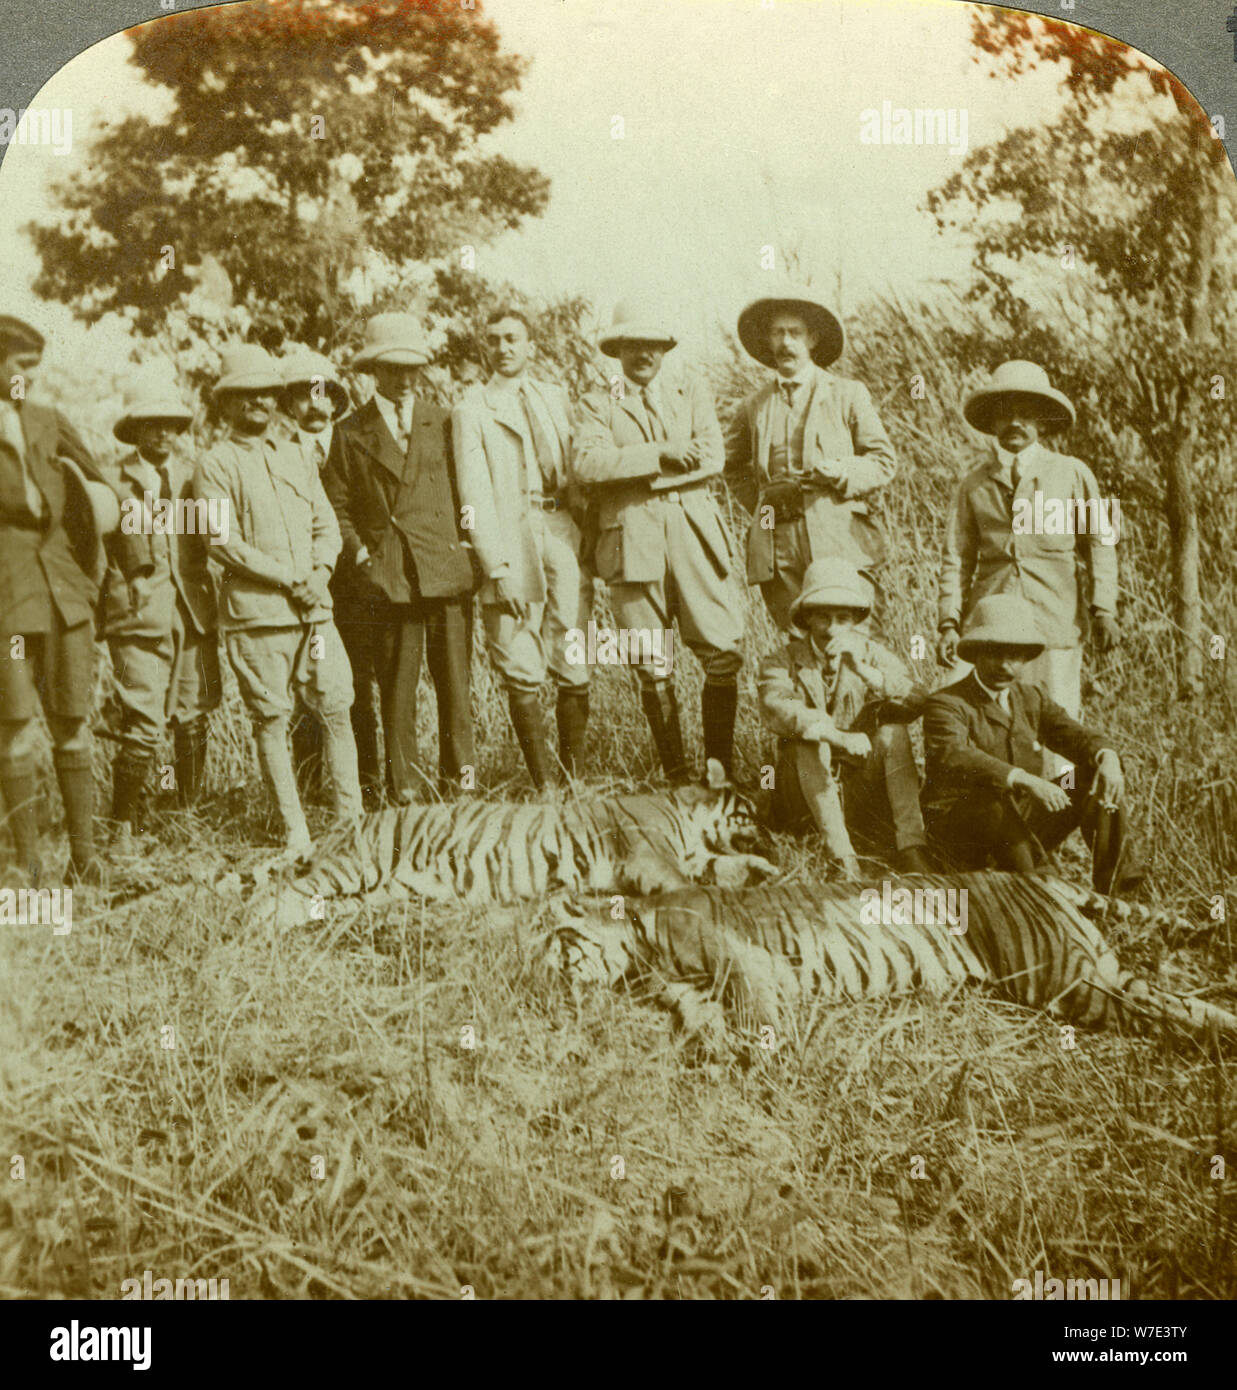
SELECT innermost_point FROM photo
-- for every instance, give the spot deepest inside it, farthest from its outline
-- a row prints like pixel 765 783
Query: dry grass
pixel 495 1166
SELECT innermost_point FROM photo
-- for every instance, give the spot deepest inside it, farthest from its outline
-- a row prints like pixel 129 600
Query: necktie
pixel 405 425
pixel 544 445
pixel 656 427
pixel 788 390
pixel 16 440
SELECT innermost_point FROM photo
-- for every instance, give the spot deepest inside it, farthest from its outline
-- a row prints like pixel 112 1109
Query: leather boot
pixel 571 715
pixel 131 776
pixel 75 773
pixel 307 756
pixel 189 744
pixel 17 782
pixel 530 733
pixel 718 704
pixel 661 709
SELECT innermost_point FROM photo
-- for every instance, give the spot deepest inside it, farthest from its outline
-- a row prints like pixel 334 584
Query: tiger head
pixel 725 819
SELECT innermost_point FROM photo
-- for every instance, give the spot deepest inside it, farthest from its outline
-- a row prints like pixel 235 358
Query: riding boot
pixel 530 734
pixel 17 782
pixel 75 773
pixel 661 709
pixel 189 743
pixel 571 714
pixel 131 774
pixel 718 704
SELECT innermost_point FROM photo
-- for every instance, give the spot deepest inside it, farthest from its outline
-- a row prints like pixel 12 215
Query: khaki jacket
pixel 1065 578
pixel 496 469
pixel 617 458
pixel 846 456
pixel 281 531
pixel 163 569
pixel 798 700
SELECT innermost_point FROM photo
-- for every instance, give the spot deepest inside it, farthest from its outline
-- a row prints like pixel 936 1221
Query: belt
pixel 786 499
pixel 543 502
pixel 23 521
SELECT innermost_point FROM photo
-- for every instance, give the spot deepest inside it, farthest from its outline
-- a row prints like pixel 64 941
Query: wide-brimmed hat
pixel 247 367
pixel 397 339
pixel 832 583
pixel 91 511
pixel 1018 378
pixel 151 394
pixel 1001 620
pixel 754 325
pixel 17 333
pixel 635 323
pixel 304 367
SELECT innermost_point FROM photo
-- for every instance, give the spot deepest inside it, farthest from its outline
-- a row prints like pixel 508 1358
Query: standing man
pixel 992 544
pixel 274 601
pixel 160 616
pixel 650 449
pixel 50 569
pixel 512 445
pixel 804 452
pixel 389 479
pixel 313 397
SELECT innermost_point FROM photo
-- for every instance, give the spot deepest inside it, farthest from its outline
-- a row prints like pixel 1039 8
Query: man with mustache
pixel 983 796
pixel 649 449
pixel 389 479
pixel 512 440
pixel 274 600
pixel 160 615
pixel 312 399
pixel 805 452
pixel 1070 580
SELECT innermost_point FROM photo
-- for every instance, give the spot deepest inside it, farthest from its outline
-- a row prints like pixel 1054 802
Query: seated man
pixel 815 693
pixel 983 738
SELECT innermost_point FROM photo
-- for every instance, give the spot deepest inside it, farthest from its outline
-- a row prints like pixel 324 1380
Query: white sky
pixel 741 130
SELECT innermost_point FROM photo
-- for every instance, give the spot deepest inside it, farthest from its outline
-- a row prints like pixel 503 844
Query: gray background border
pixel 1188 37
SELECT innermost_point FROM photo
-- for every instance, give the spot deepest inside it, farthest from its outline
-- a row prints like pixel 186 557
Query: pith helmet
pixel 17 333
pixel 397 339
pixel 635 323
pixel 152 395
pixel 91 511
pixel 754 325
pixel 1018 378
pixel 302 367
pixel 1001 620
pixel 247 367
pixel 832 583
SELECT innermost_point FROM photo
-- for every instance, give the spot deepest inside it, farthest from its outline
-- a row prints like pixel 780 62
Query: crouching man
pixel 983 740
pixel 836 700
pixel 274 605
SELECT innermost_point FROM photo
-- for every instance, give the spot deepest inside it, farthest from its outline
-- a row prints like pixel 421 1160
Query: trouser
pixel 1017 832
pixel 352 618
pixel 874 799
pixel 396 639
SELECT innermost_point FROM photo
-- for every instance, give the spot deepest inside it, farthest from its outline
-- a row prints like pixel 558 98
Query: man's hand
pixel 1050 796
pixel 506 601
pixel 304 594
pixel 850 644
pixel 853 745
pixel 1106 633
pixel 139 592
pixel 1108 788
pixel 947 647
pixel 674 456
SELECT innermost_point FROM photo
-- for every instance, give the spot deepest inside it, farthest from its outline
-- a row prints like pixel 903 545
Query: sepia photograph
pixel 613 663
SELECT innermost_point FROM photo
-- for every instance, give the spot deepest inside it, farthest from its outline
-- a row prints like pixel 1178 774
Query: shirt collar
pixel 634 389
pixel 1001 697
pixel 1026 459
pixel 800 378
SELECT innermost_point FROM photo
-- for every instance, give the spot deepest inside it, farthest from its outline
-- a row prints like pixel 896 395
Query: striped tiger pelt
pixel 761 950
pixel 484 851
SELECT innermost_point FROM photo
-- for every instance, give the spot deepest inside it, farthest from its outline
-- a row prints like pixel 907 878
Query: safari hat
pixel 394 338
pixel 754 325
pixel 1001 620
pixel 91 512
pixel 17 333
pixel 302 367
pixel 634 323
pixel 832 583
pixel 1018 378
pixel 247 367
pixel 152 395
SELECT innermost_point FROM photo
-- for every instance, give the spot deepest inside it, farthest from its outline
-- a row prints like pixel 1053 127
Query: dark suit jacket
pixel 134 553
pixel 970 743
pixel 41 567
pixel 404 510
